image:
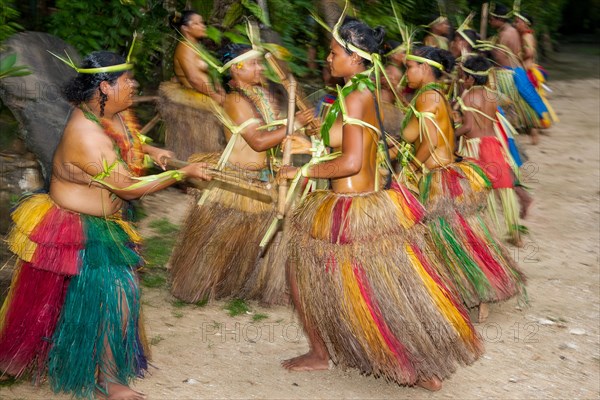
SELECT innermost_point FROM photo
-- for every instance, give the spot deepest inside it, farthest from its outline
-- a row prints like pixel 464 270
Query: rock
pixel 544 321
pixel 568 345
pixel 577 331
pixel 36 100
pixel 190 381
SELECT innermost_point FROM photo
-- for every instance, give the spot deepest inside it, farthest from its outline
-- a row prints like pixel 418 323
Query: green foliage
pixel 547 14
pixel 202 302
pixel 178 303
pixel 91 25
pixel 8 67
pixel 157 250
pixel 8 16
pixel 153 279
pixel 164 226
pixel 236 307
pixel 156 340
pixel 259 317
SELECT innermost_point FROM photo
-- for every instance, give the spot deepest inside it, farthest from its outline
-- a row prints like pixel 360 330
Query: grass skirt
pixel 74 295
pixel 520 113
pixel 474 260
pixel 191 125
pixel 370 290
pixel 493 159
pixel 218 248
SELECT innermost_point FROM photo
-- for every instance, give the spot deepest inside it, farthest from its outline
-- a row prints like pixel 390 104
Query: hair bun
pixel 379 34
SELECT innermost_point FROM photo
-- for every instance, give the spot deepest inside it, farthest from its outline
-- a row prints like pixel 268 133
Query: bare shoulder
pixel 84 140
pixel 430 100
pixel 237 107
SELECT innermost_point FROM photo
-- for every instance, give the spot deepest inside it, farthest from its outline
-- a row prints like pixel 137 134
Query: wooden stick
pixel 484 20
pixel 148 127
pixel 144 99
pixel 231 183
pixel 287 149
pixel 284 76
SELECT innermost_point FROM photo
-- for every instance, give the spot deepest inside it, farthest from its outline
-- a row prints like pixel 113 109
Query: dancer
pixel 454 193
pixel 439 33
pixel 73 309
pixel 186 102
pixel 537 75
pixel 479 109
pixel 218 246
pixel 527 111
pixel 366 292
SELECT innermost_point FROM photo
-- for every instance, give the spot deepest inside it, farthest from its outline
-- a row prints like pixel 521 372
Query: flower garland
pixel 129 146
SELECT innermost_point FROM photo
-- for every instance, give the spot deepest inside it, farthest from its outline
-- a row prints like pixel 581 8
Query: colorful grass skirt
pixel 74 299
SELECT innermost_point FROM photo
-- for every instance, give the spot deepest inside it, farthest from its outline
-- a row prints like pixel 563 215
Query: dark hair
pixel 500 9
pixel 228 53
pixel 232 50
pixel 478 63
pixel 472 35
pixel 443 57
pixel 529 17
pixel 83 87
pixel 362 36
pixel 177 20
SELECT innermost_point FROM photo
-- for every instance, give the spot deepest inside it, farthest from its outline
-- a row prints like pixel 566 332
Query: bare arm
pixel 529 50
pixel 467 117
pixel 427 103
pixel 96 157
pixel 241 111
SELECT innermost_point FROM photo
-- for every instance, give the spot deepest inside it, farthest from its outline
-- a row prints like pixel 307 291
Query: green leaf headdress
pixel 464 26
pixel 127 65
pixel 494 14
pixel 517 12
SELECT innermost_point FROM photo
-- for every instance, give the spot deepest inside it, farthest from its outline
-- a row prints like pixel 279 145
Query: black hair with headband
pixel 443 57
pixel 477 64
pixel 362 36
pixel 83 87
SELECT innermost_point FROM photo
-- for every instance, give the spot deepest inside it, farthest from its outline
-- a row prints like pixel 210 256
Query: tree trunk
pixel 219 10
pixel 329 10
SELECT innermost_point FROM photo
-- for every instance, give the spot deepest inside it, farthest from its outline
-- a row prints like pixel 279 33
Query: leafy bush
pixel 91 25
pixel 8 18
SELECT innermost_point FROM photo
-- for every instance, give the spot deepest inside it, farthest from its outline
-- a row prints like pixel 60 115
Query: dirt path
pixel 548 349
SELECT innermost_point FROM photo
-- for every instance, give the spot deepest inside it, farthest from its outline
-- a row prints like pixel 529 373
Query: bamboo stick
pixel 284 76
pixel 484 21
pixel 287 149
pixel 227 182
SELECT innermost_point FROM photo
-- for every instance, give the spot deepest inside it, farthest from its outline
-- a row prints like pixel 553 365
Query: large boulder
pixel 36 100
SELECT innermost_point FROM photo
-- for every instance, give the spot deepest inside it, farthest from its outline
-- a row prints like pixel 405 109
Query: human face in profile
pixel 249 71
pixel 195 27
pixel 415 74
pixel 340 62
pixel 124 91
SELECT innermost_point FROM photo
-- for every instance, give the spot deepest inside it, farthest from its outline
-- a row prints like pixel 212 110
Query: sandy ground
pixel 546 349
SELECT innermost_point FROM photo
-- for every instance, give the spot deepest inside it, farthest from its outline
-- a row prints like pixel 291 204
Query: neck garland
pixel 128 146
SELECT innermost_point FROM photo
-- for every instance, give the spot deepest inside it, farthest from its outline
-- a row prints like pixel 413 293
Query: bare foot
pixel 484 312
pixel 307 362
pixel 433 384
pixel 115 391
pixel 515 241
pixel 525 204
pixel 535 136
